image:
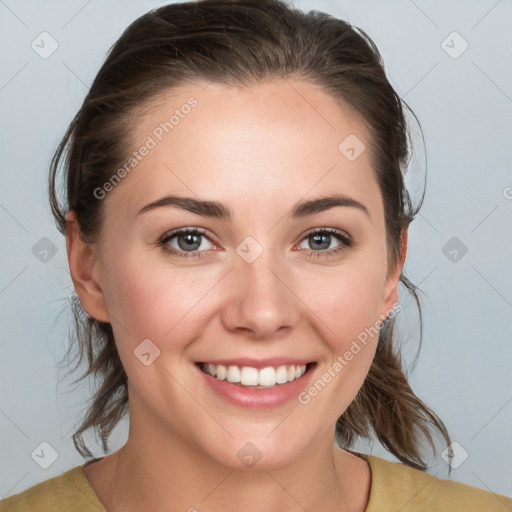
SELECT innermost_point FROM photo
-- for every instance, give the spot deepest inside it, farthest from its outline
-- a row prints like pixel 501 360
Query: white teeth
pixel 282 375
pixel 233 374
pixel 221 372
pixel 249 376
pixel 267 376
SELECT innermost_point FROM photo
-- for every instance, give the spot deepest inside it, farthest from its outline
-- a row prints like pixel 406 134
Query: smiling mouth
pixel 250 377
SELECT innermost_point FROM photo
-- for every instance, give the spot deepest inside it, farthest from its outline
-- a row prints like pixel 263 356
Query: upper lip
pixel 259 363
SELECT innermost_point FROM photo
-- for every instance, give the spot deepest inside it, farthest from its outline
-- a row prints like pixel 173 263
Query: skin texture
pixel 258 150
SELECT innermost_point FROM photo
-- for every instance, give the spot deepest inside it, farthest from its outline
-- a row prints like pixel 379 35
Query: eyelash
pixel 346 242
pixel 182 254
pixel 345 239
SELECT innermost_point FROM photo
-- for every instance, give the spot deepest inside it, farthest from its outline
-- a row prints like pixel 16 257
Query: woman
pixel 236 224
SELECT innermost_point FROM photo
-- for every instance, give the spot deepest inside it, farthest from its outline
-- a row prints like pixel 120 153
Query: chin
pixel 256 452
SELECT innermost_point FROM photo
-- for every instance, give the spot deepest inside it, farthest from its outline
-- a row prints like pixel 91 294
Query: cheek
pixel 154 301
pixel 347 300
pixel 346 304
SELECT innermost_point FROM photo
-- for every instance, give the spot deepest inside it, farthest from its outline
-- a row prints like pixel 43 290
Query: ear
pixel 390 295
pixel 84 269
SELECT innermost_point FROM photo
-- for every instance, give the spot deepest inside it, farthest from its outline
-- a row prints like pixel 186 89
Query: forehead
pixel 276 140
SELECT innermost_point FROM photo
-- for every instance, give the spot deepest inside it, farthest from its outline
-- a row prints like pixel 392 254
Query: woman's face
pixel 255 288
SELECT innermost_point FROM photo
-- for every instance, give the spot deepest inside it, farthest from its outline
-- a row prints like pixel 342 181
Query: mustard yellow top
pixel 394 487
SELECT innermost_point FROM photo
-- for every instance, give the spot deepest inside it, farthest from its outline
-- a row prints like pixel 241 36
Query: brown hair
pixel 241 43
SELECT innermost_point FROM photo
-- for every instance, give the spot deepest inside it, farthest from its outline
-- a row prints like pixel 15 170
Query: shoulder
pixel 69 491
pixel 396 486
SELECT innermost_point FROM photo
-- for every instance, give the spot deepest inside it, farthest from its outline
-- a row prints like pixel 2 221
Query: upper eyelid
pixel 327 230
pixel 178 231
pixel 330 231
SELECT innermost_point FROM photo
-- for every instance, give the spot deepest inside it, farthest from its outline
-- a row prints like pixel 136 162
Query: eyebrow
pixel 215 209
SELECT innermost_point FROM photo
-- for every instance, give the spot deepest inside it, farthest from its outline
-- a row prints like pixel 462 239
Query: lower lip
pixel 253 397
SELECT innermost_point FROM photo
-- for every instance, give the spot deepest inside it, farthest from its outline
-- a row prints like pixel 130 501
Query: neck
pixel 159 471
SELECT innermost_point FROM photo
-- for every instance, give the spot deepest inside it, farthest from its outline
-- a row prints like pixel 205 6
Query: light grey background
pixel 465 107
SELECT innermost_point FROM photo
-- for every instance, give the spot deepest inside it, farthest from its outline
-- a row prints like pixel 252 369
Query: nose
pixel 261 302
